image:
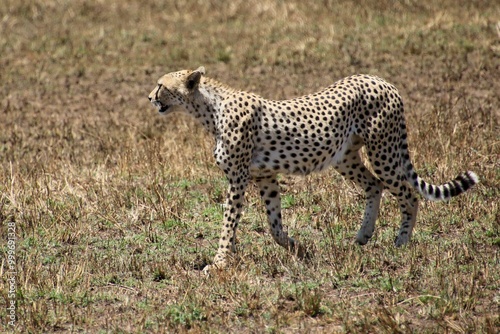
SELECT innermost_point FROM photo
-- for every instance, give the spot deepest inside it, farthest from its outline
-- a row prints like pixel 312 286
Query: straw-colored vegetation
pixel 116 208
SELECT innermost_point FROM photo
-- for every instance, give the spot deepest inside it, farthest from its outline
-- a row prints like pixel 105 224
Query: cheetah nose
pixel 150 98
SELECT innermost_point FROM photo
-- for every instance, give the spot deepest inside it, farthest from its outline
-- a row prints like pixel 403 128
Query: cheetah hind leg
pixel 408 203
pixel 270 193
pixel 394 181
pixel 352 168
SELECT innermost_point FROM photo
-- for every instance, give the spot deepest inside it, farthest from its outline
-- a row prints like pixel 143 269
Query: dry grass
pixel 115 208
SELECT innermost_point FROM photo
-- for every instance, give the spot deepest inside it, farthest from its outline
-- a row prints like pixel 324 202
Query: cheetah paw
pixel 402 240
pixel 208 268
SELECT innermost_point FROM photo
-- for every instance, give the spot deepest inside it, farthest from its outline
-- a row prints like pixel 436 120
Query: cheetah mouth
pixel 162 109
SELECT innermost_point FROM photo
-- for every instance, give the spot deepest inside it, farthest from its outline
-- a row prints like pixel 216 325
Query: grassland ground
pixel 115 208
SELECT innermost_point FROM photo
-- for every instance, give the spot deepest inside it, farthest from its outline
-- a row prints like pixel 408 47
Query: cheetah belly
pixel 301 156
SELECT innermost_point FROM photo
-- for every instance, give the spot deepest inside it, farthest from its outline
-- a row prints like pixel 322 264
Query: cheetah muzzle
pixel 257 139
pixel 162 109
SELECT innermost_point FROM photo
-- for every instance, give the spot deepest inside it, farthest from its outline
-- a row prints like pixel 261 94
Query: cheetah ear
pixel 201 69
pixel 194 78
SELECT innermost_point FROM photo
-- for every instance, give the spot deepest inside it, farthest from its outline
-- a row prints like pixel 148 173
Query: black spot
pixel 454 188
pixel 431 189
pixel 273 194
pixel 464 182
pixel 446 192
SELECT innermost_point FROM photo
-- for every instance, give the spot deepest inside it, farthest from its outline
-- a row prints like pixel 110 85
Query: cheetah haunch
pixel 258 138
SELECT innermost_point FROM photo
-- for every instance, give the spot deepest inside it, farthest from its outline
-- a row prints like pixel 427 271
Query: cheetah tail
pixel 446 191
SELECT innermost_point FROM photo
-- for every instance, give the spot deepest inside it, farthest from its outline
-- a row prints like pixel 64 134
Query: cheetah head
pixel 175 88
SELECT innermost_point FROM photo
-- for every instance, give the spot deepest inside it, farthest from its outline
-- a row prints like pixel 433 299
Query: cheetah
pixel 257 139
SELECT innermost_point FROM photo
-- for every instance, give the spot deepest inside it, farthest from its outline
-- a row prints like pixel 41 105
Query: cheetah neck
pixel 208 103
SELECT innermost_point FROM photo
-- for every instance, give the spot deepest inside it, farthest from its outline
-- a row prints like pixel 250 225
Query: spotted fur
pixel 258 138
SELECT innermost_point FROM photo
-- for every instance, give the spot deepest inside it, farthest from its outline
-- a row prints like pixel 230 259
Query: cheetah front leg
pixel 270 193
pixel 233 160
pixel 232 213
pixel 238 178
